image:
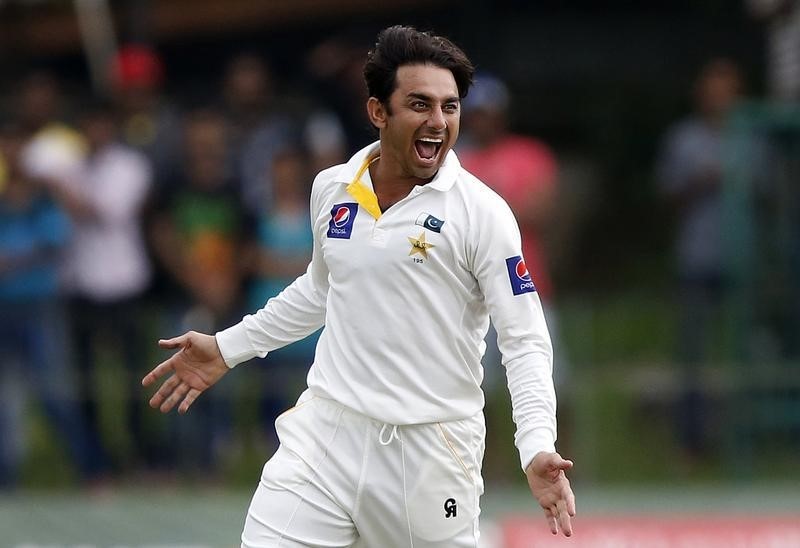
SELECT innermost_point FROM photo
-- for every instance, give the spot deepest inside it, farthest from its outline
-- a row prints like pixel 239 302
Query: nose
pixel 436 119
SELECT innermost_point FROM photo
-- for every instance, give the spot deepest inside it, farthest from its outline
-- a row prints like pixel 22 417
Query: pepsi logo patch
pixel 342 218
pixel 519 276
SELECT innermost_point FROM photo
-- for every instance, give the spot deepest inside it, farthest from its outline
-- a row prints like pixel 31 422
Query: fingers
pixel 564 519
pixel 188 400
pixel 571 509
pixel 164 391
pixel 558 517
pixel 551 520
pixel 158 371
pixel 173 399
pixel 558 502
pixel 166 366
pixel 171 392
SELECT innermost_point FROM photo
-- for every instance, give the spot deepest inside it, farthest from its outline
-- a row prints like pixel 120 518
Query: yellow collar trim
pixel 365 197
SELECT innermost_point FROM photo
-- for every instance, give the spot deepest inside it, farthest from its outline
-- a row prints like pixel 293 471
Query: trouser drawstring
pixel 394 434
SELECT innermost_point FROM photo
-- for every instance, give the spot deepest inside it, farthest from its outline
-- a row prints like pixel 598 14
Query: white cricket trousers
pixel 342 479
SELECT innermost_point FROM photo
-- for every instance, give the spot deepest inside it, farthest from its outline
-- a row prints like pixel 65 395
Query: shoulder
pixel 326 180
pixel 328 175
pixel 488 219
pixel 478 195
pixel 484 207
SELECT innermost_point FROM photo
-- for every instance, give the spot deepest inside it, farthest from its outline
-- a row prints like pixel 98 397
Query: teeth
pixel 431 140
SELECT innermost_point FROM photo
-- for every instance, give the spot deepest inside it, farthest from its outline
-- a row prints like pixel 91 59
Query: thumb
pixel 557 463
pixel 546 462
pixel 563 464
pixel 175 342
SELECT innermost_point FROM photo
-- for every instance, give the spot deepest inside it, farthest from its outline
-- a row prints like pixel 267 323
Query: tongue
pixel 425 150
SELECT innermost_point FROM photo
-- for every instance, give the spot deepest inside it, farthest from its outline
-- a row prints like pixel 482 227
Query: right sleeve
pixel 293 314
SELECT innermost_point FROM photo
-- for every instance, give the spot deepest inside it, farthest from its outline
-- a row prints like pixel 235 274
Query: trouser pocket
pixel 445 488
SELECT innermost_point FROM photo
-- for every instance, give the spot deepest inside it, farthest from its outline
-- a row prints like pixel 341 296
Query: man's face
pixel 420 124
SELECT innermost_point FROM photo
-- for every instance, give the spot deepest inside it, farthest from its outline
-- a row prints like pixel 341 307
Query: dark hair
pixel 400 45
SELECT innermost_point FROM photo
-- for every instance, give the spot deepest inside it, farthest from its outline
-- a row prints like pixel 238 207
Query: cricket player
pixel 412 256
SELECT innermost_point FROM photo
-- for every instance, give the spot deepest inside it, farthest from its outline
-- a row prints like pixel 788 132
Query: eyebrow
pixel 429 99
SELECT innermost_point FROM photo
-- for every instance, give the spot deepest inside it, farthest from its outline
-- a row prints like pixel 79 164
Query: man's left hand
pixel 550 486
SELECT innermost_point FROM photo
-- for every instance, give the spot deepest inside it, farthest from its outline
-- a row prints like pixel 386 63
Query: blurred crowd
pixel 126 215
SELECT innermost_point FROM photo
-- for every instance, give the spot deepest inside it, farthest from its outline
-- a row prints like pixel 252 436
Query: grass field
pixel 145 517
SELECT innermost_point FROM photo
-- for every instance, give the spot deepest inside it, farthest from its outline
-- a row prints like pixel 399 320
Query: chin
pixel 426 172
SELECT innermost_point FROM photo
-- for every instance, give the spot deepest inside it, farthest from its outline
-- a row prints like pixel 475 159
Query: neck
pixel 390 185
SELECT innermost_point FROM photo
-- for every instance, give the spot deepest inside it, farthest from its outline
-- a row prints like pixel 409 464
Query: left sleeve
pixel 522 334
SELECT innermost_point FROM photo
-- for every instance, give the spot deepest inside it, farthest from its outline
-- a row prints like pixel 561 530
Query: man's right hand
pixel 195 367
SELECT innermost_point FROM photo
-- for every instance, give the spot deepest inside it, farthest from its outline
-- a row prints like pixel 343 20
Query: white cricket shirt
pixel 405 297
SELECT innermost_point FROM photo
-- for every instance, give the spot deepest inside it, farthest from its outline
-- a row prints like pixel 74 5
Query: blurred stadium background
pixel 670 450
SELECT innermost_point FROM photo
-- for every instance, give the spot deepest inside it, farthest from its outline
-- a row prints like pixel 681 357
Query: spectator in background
pixel 783 46
pixel 199 234
pixel 324 139
pixel 53 152
pixel 108 266
pixel 282 253
pixel 258 128
pixel 523 170
pixel 689 175
pixel 779 199
pixel 334 68
pixel 262 124
pixel 150 123
pixel 33 233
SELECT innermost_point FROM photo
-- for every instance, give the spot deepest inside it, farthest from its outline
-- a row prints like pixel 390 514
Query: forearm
pixel 533 402
pixel 295 313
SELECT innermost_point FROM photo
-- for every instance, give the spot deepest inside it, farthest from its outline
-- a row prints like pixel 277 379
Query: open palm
pixel 195 367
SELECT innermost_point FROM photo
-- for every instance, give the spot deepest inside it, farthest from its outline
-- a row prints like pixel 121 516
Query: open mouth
pixel 428 148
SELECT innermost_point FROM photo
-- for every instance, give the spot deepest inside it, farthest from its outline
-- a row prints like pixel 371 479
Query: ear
pixel 376 112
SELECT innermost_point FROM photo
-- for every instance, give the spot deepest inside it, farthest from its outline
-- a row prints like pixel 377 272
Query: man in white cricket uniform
pixel 412 255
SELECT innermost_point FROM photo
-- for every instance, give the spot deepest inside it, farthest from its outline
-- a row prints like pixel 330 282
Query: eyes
pixel 451 107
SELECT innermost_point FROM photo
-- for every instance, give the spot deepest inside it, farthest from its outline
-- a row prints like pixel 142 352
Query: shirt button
pixel 379 234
